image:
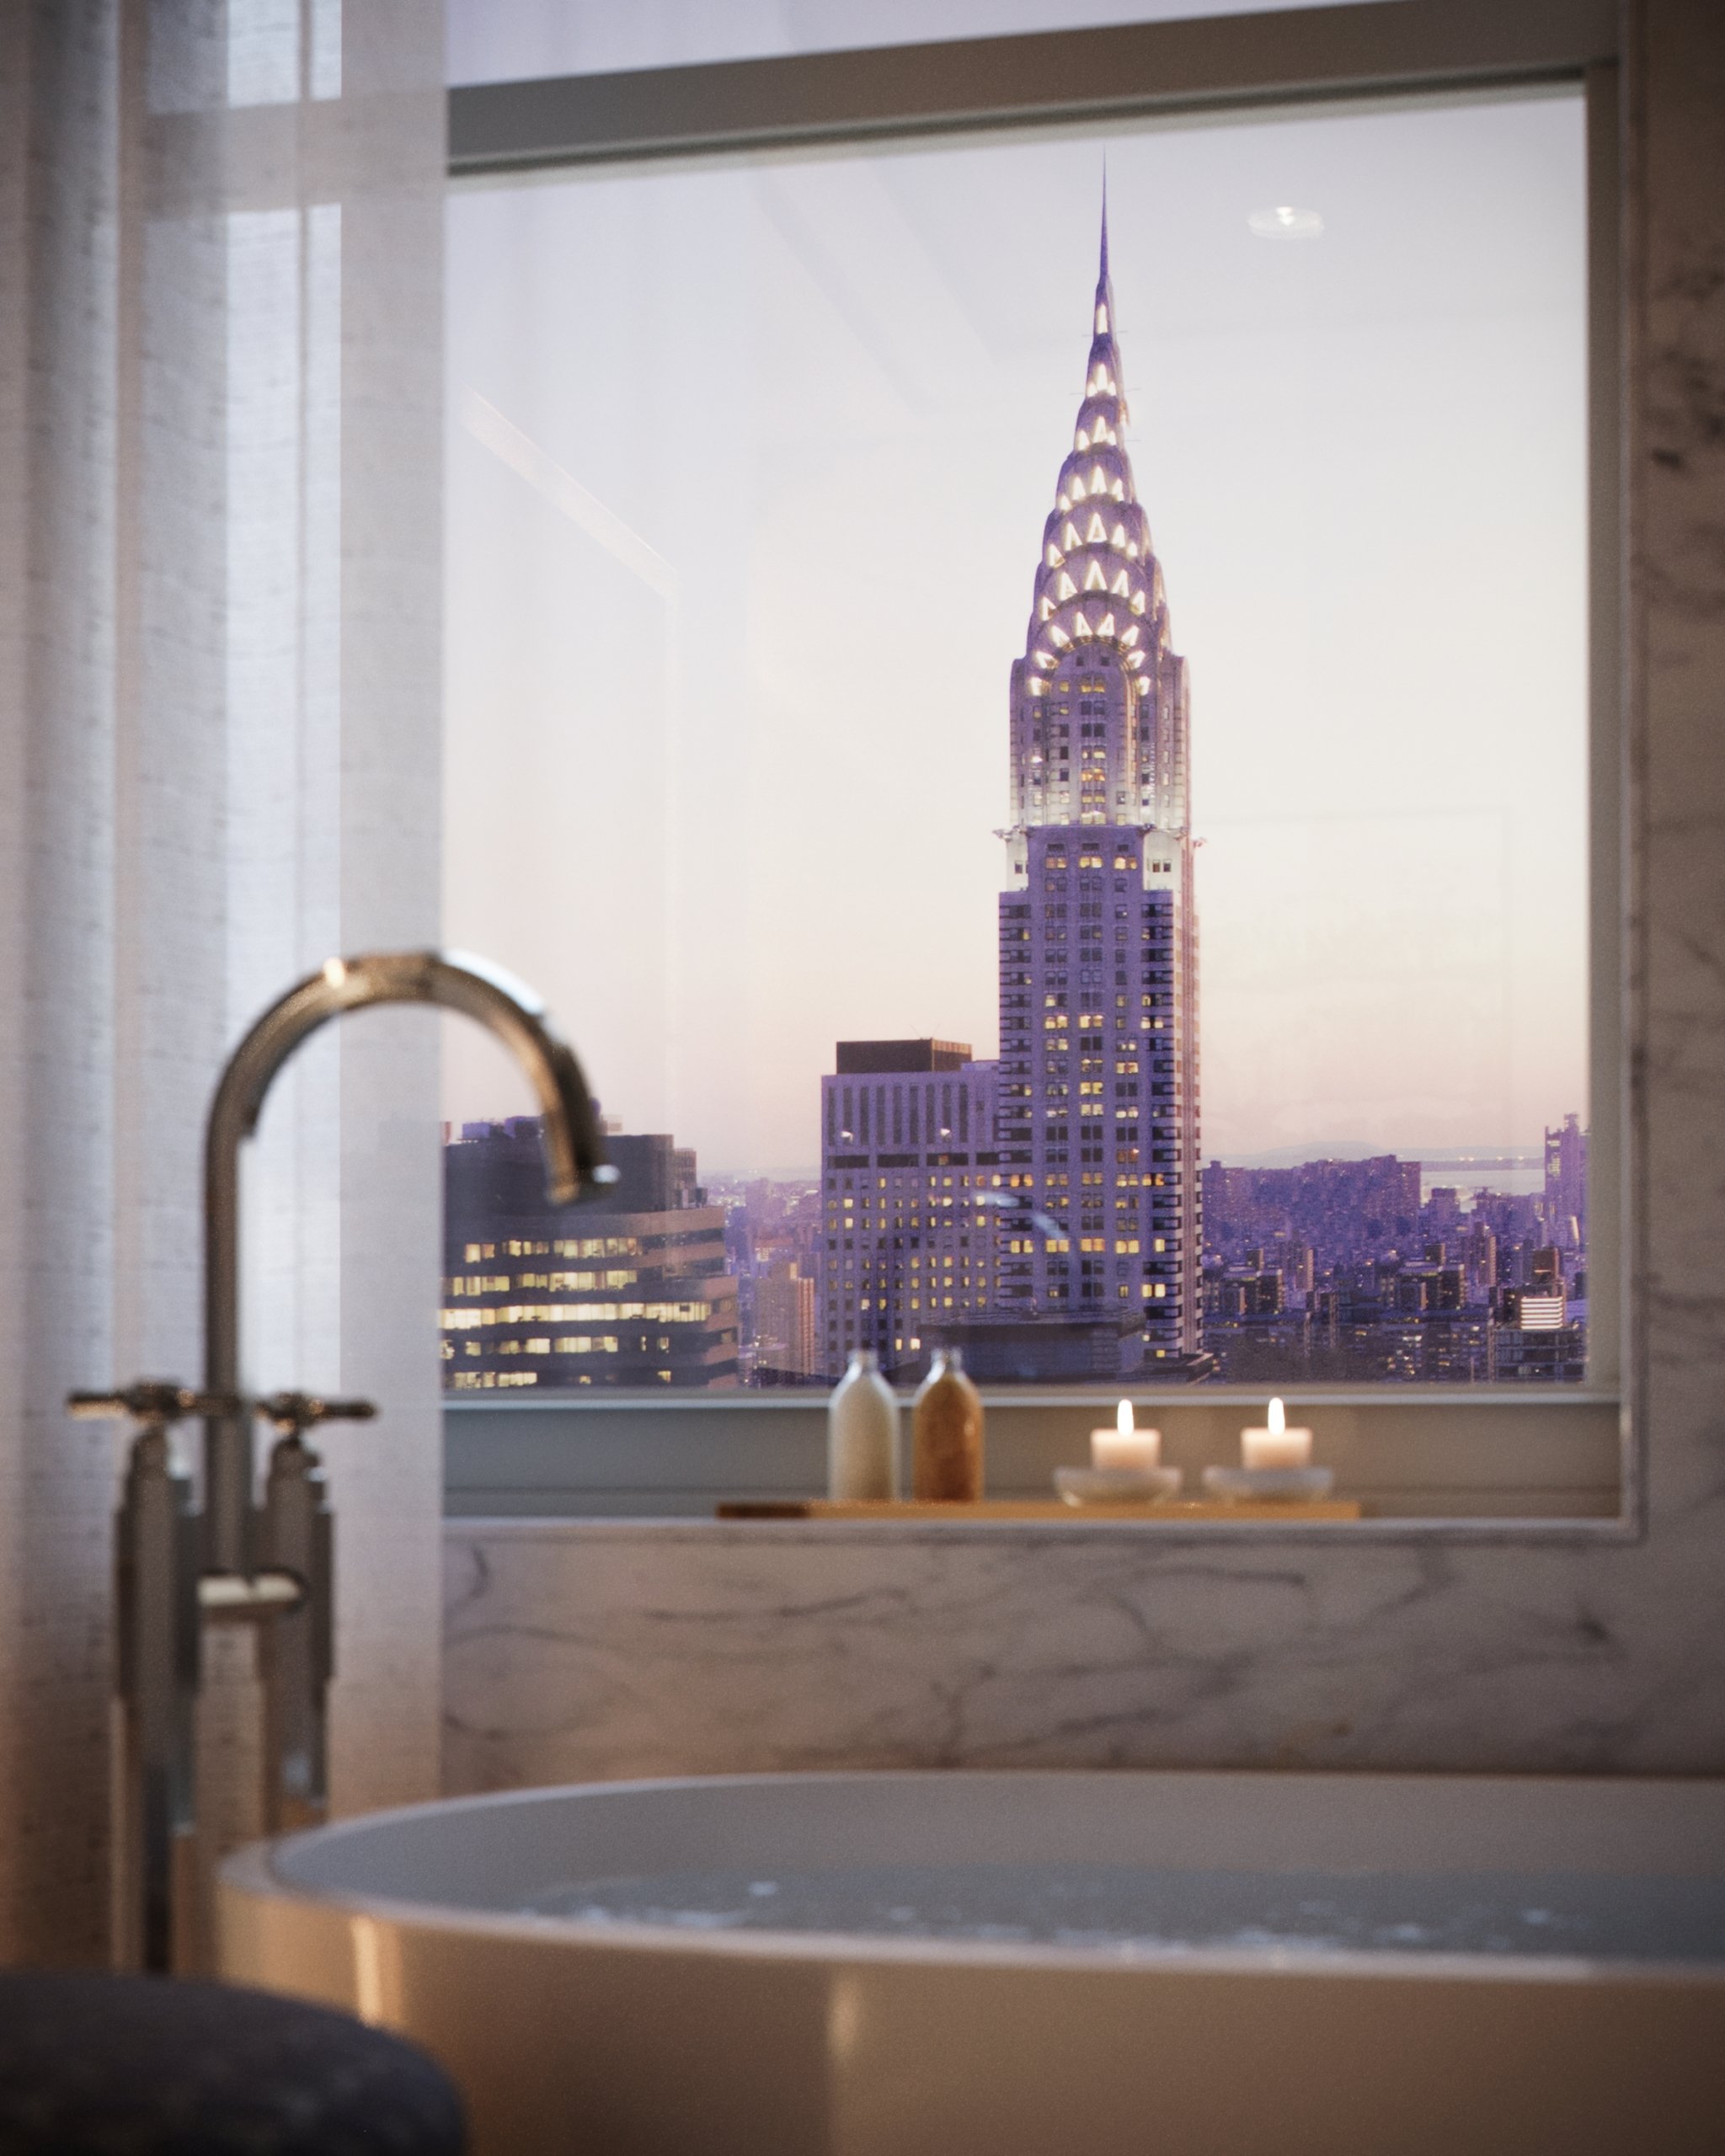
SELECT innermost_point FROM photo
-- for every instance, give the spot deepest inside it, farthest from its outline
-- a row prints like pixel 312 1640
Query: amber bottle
pixel 946 1433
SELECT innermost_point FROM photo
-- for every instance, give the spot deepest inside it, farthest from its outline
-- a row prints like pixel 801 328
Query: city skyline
pixel 1320 1271
pixel 1044 1208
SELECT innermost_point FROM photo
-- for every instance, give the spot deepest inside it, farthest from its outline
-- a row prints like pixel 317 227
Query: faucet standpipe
pixel 156 1547
pixel 296 1541
pixel 161 1593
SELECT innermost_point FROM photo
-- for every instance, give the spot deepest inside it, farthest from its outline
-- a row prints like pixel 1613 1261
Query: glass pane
pixel 827 551
pixel 517 40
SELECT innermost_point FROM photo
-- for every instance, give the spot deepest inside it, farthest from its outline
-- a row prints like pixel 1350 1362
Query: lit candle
pixel 1277 1446
pixel 1124 1446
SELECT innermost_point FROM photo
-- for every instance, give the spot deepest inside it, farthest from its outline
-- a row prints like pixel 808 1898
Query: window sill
pixel 1481 1465
pixel 769 1535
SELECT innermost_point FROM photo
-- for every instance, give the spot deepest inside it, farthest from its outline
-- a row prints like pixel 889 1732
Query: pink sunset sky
pixel 747 473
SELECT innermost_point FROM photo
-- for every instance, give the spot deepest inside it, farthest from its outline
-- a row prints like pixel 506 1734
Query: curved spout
pixel 574 1155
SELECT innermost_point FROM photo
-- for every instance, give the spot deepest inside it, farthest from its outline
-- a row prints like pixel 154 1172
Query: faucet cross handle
pixel 293 1413
pixel 158 1401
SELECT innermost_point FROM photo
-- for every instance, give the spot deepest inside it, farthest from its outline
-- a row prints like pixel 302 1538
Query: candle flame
pixel 1278 1421
pixel 1123 1418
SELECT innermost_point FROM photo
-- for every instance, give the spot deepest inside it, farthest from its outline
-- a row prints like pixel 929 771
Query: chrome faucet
pixel 271 1564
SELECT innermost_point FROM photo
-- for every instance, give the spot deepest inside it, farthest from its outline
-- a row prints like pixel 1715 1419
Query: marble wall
pixel 575 1650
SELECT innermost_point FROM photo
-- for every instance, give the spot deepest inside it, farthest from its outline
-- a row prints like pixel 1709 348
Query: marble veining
pixel 575 1650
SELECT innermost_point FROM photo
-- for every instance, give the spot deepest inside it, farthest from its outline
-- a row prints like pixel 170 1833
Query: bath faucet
pixel 270 1564
pixel 512 1011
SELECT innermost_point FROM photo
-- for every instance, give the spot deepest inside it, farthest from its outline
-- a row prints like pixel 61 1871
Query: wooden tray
pixel 1174 1511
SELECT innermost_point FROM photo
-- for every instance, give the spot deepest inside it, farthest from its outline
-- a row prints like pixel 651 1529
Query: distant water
pixel 1484 1171
pixel 1130 1913
pixel 1458 1175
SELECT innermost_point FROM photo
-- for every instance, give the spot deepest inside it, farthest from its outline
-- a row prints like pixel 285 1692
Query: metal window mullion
pixel 1377 48
pixel 1609 1153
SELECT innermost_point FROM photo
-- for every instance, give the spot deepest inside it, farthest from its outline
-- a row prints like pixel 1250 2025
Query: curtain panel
pixel 220 331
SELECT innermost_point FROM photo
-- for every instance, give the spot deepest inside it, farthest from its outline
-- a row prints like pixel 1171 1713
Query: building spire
pixel 1102 314
pixel 1098 577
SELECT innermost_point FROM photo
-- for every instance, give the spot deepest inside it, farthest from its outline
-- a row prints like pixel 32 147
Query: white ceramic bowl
pixel 1258 1483
pixel 1116 1486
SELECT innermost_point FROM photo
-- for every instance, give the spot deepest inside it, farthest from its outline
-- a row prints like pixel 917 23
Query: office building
pixel 628 1289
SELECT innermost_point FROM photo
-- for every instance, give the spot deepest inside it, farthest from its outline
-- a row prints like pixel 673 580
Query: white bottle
pixel 862 1433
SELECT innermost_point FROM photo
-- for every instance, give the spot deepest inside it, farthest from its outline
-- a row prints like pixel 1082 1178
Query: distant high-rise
pixel 908 1160
pixel 630 1289
pixel 1566 1183
pixel 785 1345
pixel 1098 940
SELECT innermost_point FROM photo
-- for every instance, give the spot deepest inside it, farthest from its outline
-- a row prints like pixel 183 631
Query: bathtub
pixel 929 1964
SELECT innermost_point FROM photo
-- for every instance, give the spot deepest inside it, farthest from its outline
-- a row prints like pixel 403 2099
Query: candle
pixel 1277 1446
pixel 1124 1446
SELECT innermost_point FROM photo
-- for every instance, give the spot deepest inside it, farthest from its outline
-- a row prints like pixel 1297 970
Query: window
pixel 1478 868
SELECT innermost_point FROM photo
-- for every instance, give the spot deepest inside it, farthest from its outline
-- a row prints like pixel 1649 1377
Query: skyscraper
pixel 784 1324
pixel 1566 1184
pixel 1059 1192
pixel 631 1290
pixel 907 1160
pixel 1098 938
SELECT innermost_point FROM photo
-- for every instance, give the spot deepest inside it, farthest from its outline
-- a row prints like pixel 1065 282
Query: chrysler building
pixel 1044 1211
pixel 1098 940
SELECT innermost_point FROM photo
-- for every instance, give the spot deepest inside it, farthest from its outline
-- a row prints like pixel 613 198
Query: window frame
pixel 583 1456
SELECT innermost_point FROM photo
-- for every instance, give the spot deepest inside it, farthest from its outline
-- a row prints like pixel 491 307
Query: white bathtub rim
pixel 256 1872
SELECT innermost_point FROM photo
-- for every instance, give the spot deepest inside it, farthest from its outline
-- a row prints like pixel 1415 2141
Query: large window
pixel 1053 798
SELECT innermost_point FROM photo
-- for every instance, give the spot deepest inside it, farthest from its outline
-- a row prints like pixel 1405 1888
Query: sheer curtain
pixel 220 330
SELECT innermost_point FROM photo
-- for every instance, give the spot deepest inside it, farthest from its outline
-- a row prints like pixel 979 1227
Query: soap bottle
pixel 946 1433
pixel 862 1433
